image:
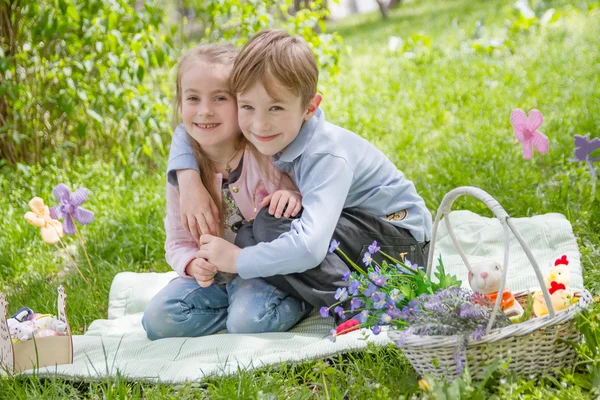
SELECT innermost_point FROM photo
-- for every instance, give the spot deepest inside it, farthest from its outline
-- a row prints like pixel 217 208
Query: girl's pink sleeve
pixel 180 245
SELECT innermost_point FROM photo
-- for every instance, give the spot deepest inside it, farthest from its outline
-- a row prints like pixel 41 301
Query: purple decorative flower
pixel 411 309
pixel 340 312
pixel 385 319
pixel 346 276
pixel 356 303
pixel 332 335
pixel 376 329
pixel 324 311
pixel 367 259
pixel 334 246
pixel 373 248
pixel 69 207
pixel 368 292
pixel 389 304
pixel 587 150
pixel 353 288
pixel 341 294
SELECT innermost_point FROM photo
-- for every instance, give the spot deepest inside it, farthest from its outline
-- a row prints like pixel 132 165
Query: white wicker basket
pixel 535 347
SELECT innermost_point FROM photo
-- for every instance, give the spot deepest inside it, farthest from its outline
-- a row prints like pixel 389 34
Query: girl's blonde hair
pixel 221 55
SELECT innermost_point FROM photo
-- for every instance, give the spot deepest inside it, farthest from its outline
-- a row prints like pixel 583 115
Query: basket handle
pixel 506 222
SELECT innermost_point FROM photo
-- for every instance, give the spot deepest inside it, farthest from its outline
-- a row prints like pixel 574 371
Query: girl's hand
pixel 282 198
pixel 199 213
pixel 201 270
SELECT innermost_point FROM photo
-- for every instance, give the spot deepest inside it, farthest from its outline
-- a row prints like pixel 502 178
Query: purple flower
pixel 390 305
pixel 324 312
pixel 367 259
pixel 395 295
pixel 334 246
pixel 341 294
pixel 354 285
pixel 434 304
pixel 362 316
pixel 346 276
pixel 356 303
pixel 368 292
pixel 373 248
pixel 378 279
pixel 385 319
pixel 378 300
pixel 478 333
pixel 410 265
pixel 411 309
pixel 470 311
pixel 340 312
pixel 332 335
pixel 69 207
pixel 376 329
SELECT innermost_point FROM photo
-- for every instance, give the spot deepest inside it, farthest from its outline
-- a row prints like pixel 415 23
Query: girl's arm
pixel 180 245
pixel 199 213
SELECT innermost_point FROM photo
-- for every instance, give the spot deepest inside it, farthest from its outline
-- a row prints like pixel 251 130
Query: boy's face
pixel 271 124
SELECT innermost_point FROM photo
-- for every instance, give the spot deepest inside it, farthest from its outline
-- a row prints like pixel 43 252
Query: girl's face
pixel 208 110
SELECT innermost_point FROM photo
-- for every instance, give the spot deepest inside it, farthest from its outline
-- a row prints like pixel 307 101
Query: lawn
pixel 439 107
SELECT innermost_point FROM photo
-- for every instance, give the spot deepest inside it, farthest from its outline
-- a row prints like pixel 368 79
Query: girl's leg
pixel 183 308
pixel 256 306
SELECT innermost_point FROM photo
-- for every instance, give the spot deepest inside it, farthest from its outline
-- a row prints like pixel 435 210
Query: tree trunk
pixel 383 9
pixel 394 4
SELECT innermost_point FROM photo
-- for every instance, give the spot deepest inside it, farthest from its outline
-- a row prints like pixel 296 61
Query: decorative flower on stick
pixel 70 210
pixel 587 150
pixel 50 228
pixel 70 207
pixel 39 216
pixel 526 131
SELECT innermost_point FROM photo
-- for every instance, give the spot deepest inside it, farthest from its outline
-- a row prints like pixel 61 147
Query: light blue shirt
pixel 334 169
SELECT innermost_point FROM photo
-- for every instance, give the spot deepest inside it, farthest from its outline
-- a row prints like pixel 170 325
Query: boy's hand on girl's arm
pixel 219 253
pixel 201 270
pixel 199 213
pixel 282 198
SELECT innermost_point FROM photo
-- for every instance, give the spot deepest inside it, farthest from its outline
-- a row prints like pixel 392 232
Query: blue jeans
pixel 183 308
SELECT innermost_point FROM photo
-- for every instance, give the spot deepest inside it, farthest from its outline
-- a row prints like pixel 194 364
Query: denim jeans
pixel 184 309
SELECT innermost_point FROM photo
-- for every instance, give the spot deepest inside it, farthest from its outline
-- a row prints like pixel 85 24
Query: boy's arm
pixel 181 155
pixel 199 213
pixel 305 245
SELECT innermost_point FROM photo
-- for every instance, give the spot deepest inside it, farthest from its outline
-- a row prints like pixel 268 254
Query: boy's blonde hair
pixel 275 57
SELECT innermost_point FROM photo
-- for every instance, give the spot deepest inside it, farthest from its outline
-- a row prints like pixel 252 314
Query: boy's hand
pixel 282 198
pixel 201 270
pixel 219 252
pixel 199 213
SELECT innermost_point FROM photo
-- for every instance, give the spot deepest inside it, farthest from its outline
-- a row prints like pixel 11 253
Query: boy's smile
pixel 271 121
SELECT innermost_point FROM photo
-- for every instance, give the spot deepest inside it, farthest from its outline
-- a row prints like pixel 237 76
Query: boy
pixel 351 191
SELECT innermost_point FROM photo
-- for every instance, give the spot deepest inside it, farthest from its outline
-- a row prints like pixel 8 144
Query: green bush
pixel 93 76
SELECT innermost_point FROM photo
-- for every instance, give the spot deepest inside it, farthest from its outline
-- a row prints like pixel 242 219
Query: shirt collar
pixel 296 148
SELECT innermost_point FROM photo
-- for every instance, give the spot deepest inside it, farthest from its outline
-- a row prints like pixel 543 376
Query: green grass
pixel 442 117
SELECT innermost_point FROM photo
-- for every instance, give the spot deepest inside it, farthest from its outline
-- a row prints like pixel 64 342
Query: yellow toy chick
pixel 557 283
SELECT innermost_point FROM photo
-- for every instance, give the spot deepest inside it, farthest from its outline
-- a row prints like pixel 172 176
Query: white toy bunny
pixel 485 278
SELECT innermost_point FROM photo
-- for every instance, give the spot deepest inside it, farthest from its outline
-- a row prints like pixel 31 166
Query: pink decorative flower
pixel 527 133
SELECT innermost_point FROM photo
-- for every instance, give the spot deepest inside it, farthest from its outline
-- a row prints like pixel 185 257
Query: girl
pixel 240 181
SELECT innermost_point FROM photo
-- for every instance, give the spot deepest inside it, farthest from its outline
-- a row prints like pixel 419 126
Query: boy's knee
pixel 267 227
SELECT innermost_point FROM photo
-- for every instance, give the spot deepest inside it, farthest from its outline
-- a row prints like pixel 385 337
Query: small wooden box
pixel 34 353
